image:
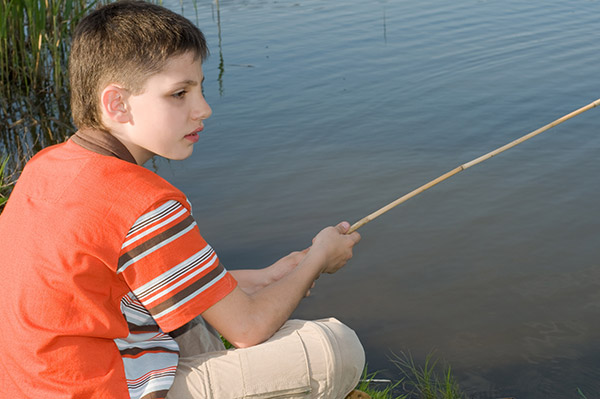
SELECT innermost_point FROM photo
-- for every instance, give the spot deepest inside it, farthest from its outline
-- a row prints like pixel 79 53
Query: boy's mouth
pixel 194 136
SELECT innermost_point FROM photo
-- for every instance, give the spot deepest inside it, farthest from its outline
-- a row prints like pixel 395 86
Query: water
pixel 326 111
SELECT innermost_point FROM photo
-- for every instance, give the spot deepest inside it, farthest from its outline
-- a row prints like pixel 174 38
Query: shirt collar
pixel 102 142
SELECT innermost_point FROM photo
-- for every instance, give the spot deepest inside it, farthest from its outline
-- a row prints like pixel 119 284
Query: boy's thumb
pixel 343 227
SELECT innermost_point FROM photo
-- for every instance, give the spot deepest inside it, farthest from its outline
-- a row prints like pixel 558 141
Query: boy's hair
pixel 124 43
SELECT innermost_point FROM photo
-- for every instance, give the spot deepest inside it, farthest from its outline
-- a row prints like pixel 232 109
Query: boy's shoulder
pixel 68 171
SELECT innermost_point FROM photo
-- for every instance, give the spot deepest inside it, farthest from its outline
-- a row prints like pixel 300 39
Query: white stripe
pixel 192 296
pixel 164 343
pixel 183 281
pixel 187 268
pixel 135 312
pixel 154 248
pixel 159 380
pixel 136 317
pixel 168 277
pixel 153 229
pixel 142 219
pixel 140 292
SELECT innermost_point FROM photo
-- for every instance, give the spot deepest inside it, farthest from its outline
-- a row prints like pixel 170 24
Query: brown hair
pixel 125 43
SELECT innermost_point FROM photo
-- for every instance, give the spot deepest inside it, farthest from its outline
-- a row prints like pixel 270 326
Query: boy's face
pixel 166 118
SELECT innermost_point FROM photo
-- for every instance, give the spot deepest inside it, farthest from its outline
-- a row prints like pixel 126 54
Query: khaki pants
pixel 304 359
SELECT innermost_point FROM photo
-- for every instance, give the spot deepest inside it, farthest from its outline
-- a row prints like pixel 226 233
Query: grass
pixel 5 184
pixel 35 39
pixel 379 390
pixel 416 382
pixel 427 381
pixel 35 43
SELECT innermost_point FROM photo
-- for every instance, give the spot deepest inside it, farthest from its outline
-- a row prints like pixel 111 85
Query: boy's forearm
pixel 254 318
pixel 251 281
pixel 247 320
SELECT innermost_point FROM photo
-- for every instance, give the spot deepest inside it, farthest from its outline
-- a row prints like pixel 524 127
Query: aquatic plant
pixel 379 389
pixel 5 185
pixel 426 381
pixel 35 39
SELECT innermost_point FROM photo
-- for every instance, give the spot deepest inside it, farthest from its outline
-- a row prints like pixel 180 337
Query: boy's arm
pixel 253 280
pixel 249 319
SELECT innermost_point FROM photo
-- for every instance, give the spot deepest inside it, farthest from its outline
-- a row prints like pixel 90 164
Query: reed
pixel 34 44
pixel 427 381
pixel 5 185
pixel 373 387
pixel 35 38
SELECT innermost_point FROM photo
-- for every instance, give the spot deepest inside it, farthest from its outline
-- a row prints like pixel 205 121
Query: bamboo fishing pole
pixel 467 165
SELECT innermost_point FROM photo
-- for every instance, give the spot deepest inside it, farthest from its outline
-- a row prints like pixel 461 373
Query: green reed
pixel 427 381
pixel 35 38
pixel 5 186
pixel 369 385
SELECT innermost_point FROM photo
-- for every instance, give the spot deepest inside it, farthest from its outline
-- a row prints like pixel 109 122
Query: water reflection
pixel 221 66
pixel 34 94
pixel 496 270
pixel 351 104
pixel 31 122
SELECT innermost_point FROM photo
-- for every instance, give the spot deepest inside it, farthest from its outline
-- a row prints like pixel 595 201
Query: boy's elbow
pixel 248 338
pixel 251 332
pixel 246 342
pixel 242 345
pixel 244 320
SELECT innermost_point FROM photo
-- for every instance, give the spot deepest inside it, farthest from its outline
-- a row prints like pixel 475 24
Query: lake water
pixel 327 110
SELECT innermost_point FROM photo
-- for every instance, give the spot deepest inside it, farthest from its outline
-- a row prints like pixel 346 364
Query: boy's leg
pixel 304 359
pixel 197 337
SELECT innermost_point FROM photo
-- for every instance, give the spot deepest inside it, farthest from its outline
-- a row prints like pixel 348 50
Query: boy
pixel 105 270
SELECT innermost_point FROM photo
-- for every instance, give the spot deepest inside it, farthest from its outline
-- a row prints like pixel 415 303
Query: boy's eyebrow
pixel 189 82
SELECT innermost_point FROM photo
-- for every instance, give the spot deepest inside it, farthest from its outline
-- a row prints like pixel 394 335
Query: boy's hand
pixel 248 319
pixel 335 246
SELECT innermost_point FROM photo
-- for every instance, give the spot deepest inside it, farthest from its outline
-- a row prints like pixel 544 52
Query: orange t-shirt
pixel 100 258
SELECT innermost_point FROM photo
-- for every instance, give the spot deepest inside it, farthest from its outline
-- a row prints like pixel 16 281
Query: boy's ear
pixel 112 101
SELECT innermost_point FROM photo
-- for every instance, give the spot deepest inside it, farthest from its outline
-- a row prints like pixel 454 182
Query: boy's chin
pixel 180 157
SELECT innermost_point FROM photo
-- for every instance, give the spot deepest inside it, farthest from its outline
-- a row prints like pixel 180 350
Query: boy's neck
pixel 103 143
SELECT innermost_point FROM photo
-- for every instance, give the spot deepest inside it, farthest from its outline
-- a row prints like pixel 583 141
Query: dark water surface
pixel 328 110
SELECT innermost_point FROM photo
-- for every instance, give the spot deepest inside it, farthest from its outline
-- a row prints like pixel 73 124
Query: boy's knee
pixel 335 355
pixel 348 349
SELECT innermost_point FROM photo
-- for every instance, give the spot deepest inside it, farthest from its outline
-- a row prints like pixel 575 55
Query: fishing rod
pixel 467 165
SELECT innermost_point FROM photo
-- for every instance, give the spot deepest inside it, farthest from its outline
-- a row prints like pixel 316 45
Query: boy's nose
pixel 202 110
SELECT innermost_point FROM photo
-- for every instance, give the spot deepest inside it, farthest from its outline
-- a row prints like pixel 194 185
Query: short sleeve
pixel 170 268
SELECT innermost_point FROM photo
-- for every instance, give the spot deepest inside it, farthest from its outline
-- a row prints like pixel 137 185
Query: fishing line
pixel 467 165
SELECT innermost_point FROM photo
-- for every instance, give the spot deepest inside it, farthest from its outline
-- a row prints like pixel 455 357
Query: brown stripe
pixel 156 395
pixel 102 143
pixel 146 245
pixel 137 351
pixel 187 291
pixel 134 328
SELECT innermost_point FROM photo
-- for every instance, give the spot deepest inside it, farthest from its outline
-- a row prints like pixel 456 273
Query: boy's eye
pixel 180 94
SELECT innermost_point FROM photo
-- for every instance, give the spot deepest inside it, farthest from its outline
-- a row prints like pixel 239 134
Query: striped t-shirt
pixel 161 283
pixel 101 259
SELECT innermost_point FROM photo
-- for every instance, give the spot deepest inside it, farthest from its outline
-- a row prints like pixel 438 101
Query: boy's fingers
pixel 355 236
pixel 343 227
